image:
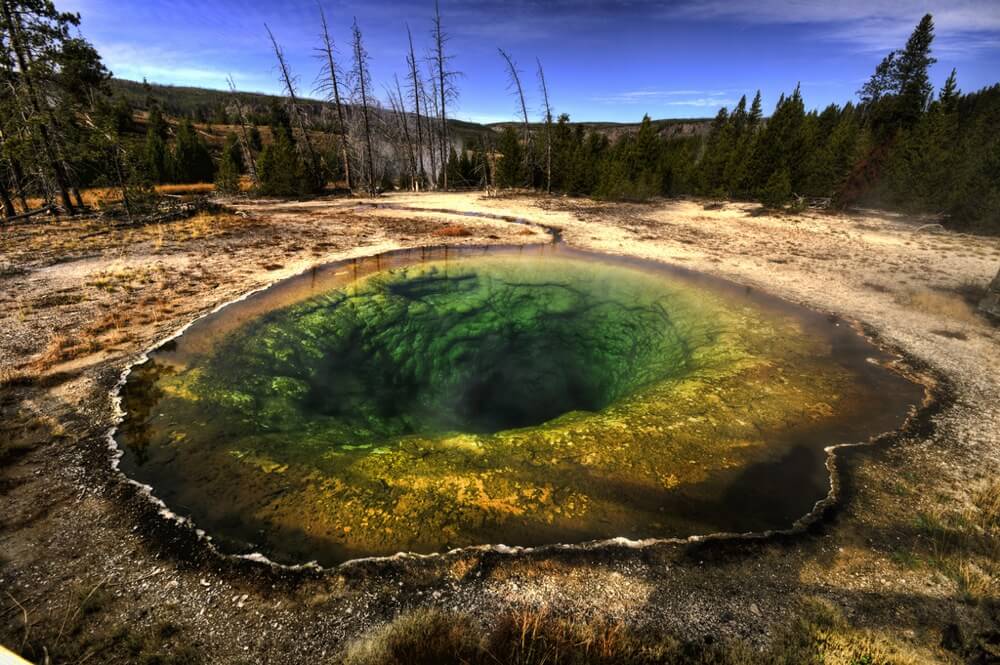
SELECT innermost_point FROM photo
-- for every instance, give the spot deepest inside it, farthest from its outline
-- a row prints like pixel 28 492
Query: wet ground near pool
pixel 426 399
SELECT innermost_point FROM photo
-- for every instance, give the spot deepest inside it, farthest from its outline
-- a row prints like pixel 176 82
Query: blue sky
pixel 604 59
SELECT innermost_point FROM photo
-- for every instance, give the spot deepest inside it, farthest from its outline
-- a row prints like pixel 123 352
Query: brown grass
pixel 189 188
pixel 943 305
pixel 818 634
pixel 964 543
pixel 16 376
pixel 452 231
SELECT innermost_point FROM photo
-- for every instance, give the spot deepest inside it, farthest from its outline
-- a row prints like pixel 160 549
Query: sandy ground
pixel 88 571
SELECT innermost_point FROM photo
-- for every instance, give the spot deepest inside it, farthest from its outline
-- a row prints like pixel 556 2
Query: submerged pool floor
pixel 429 399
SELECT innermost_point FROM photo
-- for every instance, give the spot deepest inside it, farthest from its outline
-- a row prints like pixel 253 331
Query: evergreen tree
pixel 510 169
pixel 227 176
pixel 781 146
pixel 51 79
pixel 454 168
pixel 756 112
pixel 234 151
pixel 881 83
pixel 778 189
pixel 156 124
pixel 911 78
pixel 190 159
pixel 157 159
pixel 256 144
pixel 949 95
pixel 280 168
pixel 719 149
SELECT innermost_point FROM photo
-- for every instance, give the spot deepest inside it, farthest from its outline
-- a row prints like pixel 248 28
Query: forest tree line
pixel 901 145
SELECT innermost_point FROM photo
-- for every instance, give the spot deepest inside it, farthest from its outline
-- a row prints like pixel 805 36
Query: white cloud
pixel 134 62
pixel 704 102
pixel 484 118
pixel 662 97
pixel 962 26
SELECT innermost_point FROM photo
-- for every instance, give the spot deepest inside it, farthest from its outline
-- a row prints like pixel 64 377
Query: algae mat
pixel 431 399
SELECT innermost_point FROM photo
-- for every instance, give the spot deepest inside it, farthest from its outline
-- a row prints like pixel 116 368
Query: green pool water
pixel 431 399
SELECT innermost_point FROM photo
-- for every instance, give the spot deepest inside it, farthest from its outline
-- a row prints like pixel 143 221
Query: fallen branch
pixel 30 213
pixel 24 611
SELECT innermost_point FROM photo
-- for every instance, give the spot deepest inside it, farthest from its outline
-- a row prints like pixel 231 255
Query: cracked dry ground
pixel 90 572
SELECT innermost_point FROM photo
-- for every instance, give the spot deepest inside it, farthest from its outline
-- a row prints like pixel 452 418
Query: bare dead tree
pixel 415 85
pixel 514 85
pixel 490 164
pixel 405 123
pixel 433 129
pixel 403 138
pixel 362 84
pixel 446 90
pixel 246 146
pixel 330 84
pixel 12 20
pixel 288 81
pixel 547 108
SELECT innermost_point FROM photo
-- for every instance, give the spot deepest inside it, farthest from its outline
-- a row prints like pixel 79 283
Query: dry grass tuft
pixel 452 231
pixel 190 188
pixel 16 376
pixel 965 544
pixel 943 305
pixel 819 634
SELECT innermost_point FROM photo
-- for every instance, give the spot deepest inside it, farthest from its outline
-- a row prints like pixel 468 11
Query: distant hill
pixel 670 128
pixel 211 106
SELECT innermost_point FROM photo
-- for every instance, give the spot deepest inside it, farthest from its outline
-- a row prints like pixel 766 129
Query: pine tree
pixel 756 112
pixel 911 75
pixel 280 168
pixel 781 145
pixel 227 176
pixel 255 141
pixel 881 83
pixel 156 157
pixel 778 189
pixel 950 94
pixel 190 159
pixel 510 170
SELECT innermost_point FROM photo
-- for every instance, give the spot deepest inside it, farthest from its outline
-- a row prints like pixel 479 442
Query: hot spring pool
pixel 430 399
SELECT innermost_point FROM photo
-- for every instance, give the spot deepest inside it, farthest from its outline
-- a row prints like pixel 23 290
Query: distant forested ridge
pixel 65 124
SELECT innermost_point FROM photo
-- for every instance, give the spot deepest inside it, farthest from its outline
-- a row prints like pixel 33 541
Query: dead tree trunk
pixel 515 83
pixel 288 81
pixel 363 83
pixel 432 142
pixel 332 87
pixel 399 106
pixel 548 128
pixel 13 21
pixel 411 60
pixel 246 145
pixel 440 61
